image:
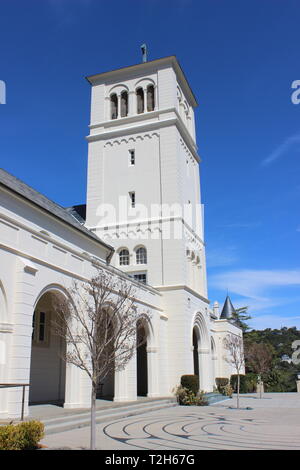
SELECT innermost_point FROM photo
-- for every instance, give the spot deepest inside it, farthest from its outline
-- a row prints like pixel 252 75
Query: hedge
pixel 247 383
pixel 191 382
pixel 22 436
pixel 221 383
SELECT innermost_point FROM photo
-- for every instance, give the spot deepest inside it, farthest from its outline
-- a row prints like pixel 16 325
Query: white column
pixel 20 355
pixel 119 107
pixel 145 100
pixel 152 366
pixel 162 357
pixel 155 98
pixel 107 110
pixel 131 103
pixel 78 388
pixel 5 340
pixel 205 369
pixel 125 382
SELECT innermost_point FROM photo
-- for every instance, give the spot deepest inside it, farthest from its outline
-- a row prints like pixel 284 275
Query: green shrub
pixel 9 438
pixel 191 382
pixel 180 392
pixel 221 382
pixel 200 399
pixel 247 383
pixel 228 390
pixel 188 398
pixel 234 383
pixel 279 380
pixel 22 436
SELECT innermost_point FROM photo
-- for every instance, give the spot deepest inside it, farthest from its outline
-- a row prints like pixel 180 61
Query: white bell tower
pixel 143 193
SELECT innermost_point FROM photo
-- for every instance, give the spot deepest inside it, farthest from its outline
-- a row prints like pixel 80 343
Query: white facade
pixel 146 157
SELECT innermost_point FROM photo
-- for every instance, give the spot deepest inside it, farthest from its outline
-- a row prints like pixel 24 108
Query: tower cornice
pixel 143 125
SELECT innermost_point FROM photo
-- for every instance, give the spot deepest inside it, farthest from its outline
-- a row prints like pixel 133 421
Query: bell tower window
pixel 114 106
pixel 150 98
pixel 140 100
pixel 124 104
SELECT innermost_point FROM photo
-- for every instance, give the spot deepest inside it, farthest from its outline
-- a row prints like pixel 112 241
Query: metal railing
pixel 23 394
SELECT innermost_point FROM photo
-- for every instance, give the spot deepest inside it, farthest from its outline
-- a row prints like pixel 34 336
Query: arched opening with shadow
pixel 140 100
pixel 106 382
pixel 114 111
pixel 47 367
pixel 142 360
pixel 106 387
pixel 201 352
pixel 124 104
pixel 195 351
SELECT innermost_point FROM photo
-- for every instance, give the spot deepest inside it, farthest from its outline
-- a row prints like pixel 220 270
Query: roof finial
pixel 144 52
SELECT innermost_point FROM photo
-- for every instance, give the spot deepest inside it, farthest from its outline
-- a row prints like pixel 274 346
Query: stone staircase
pixel 115 411
pixel 65 420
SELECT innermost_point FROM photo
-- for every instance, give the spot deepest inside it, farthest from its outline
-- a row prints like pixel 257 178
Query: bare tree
pixel 259 358
pixel 235 357
pixel 98 320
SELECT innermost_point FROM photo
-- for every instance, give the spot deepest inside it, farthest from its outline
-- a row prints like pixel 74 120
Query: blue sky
pixel 240 58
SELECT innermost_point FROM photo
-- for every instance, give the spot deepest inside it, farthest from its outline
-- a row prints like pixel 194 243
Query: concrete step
pixel 215 397
pixel 81 419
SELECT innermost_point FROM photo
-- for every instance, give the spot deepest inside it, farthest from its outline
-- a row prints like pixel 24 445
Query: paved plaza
pixel 273 422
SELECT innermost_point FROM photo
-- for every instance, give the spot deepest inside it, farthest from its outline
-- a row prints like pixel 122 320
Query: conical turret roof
pixel 227 310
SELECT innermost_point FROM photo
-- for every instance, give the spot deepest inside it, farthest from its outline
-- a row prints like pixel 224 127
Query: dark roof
pixel 79 212
pixel 38 199
pixel 228 309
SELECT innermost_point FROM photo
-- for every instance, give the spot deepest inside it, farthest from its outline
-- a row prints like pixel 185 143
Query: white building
pixel 144 217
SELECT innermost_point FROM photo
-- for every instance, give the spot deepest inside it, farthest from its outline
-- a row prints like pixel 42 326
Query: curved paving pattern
pixel 191 430
pixel 271 423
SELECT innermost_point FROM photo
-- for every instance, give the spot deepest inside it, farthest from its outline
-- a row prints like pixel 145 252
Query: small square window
pixel 131 157
pixel 140 277
pixel 132 198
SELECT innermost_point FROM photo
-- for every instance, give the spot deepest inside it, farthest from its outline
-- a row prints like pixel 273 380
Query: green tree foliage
pixel 281 376
pixel 241 317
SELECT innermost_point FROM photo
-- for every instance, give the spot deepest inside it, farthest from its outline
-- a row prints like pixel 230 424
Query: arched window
pixel 141 255
pixel 124 104
pixel 124 258
pixel 114 106
pixel 140 100
pixel 150 98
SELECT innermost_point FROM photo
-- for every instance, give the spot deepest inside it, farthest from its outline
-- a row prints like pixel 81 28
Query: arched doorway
pixel 201 352
pixel 106 383
pixel 47 368
pixel 195 351
pixel 141 361
pixel 106 387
